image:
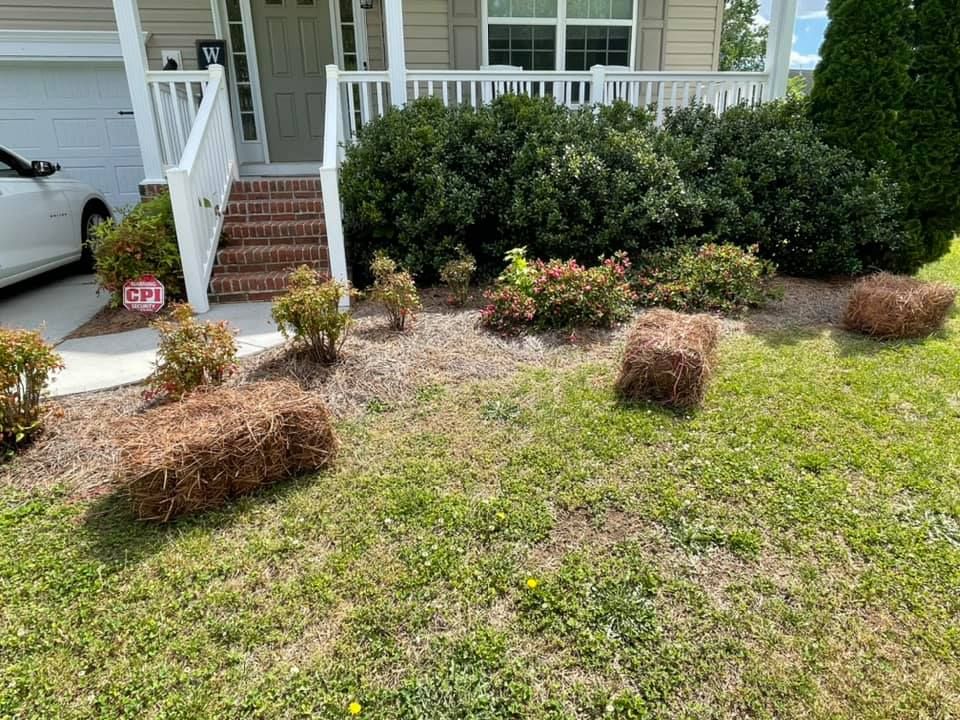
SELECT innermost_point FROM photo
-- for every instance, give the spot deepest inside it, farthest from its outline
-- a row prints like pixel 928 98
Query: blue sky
pixel 808 32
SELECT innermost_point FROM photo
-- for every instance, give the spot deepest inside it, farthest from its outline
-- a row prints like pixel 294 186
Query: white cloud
pixel 803 61
pixel 806 10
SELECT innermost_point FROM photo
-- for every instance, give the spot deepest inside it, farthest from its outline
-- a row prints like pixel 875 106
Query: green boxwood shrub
pixel 766 179
pixel 143 242
pixel 425 180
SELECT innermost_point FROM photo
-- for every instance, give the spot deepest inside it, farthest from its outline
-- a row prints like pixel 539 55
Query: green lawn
pixel 791 551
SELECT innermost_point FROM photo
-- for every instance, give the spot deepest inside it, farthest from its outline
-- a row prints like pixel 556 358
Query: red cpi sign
pixel 145 295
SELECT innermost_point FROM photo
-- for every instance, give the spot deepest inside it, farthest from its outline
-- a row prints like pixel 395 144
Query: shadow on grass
pixel 668 413
pixel 116 538
pixel 848 344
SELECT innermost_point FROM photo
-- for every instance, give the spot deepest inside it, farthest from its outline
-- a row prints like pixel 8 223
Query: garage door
pixel 76 114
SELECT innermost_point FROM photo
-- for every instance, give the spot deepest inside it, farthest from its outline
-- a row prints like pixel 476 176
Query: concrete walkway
pixel 106 361
pixel 55 305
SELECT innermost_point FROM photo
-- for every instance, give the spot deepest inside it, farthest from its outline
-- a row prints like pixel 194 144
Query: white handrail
pixel 200 187
pixel 329 177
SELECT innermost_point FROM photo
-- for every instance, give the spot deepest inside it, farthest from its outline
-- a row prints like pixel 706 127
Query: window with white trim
pixel 559 34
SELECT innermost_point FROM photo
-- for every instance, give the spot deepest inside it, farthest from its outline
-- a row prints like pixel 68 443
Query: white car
pixel 45 221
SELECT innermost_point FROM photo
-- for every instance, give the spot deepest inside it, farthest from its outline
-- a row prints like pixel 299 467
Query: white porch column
pixel 783 16
pixel 396 56
pixel 135 66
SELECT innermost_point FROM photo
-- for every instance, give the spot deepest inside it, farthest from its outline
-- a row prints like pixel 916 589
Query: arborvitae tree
pixel 862 78
pixel 929 170
pixel 743 42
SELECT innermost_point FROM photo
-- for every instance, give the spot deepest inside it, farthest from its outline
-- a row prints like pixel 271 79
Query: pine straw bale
pixel 897 306
pixel 669 358
pixel 197 453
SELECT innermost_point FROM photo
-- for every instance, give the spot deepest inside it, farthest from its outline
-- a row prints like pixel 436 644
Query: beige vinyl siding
pixel 176 25
pixel 426 34
pixel 692 38
pixel 172 24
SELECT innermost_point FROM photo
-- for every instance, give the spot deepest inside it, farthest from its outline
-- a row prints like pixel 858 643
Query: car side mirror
pixel 43 168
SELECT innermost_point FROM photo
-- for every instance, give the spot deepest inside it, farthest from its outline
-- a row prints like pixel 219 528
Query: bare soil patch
pixel 111 320
pixel 804 303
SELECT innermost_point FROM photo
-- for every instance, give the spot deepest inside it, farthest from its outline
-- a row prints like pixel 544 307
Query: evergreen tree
pixel 863 75
pixel 743 42
pixel 929 171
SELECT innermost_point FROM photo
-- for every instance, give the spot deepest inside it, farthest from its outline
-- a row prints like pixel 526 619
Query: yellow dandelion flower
pixel 532 583
pixel 501 516
pixel 354 708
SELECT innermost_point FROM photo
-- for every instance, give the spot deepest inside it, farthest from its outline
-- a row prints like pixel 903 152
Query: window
pixel 589 45
pixel 238 52
pixel 532 47
pixel 559 34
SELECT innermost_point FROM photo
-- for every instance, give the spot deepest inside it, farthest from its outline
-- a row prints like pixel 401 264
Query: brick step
pixel 274 232
pixel 263 258
pixel 277 188
pixel 247 286
pixel 273 210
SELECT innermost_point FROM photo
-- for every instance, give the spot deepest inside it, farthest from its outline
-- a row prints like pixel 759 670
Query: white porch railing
pixel 176 100
pixel 202 174
pixel 364 96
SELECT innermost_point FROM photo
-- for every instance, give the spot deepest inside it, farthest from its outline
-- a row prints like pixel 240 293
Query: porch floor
pixel 300 169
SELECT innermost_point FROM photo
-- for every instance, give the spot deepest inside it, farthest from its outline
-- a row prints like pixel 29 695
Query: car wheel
pixel 92 218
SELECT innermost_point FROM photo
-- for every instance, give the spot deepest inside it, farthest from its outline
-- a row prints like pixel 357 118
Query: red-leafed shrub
pixel 26 364
pixel 559 294
pixel 190 355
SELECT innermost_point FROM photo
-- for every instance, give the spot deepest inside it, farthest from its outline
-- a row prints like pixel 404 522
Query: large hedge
pixel 426 179
pixel 930 128
pixel 766 178
pixel 862 77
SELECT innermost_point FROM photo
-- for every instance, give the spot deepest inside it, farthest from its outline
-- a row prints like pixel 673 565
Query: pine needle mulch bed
pixel 505 539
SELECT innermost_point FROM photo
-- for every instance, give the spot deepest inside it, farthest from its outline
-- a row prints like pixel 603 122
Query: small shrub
pixel 197 454
pixel 310 313
pixel 457 275
pixel 144 242
pixel 896 306
pixel 508 309
pixel 669 358
pixel 395 290
pixel 190 354
pixel 712 277
pixel 559 294
pixel 26 364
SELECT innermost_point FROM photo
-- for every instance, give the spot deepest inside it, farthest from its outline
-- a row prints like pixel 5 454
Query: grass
pixel 530 548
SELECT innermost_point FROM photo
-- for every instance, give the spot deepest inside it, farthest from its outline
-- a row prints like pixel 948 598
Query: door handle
pixel 124 112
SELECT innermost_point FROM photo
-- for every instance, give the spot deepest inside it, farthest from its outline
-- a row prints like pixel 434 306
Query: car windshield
pixel 15 156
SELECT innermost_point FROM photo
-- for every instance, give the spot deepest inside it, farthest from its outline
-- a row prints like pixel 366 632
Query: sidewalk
pixel 106 361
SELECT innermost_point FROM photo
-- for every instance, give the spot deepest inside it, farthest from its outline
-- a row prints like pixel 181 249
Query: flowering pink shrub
pixel 509 309
pixel 559 294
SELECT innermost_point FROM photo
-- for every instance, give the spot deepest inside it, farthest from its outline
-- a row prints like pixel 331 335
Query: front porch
pixel 201 131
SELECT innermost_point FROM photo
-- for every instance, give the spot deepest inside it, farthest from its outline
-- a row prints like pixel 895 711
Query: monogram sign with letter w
pixel 211 52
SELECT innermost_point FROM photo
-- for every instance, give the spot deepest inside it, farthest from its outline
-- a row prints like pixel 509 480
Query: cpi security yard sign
pixel 145 295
